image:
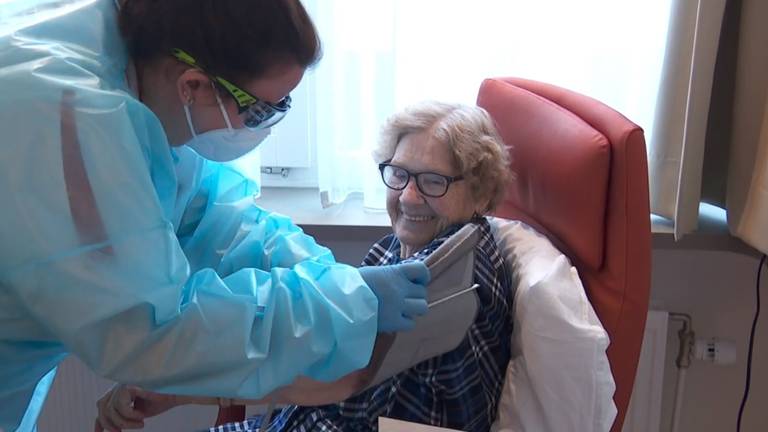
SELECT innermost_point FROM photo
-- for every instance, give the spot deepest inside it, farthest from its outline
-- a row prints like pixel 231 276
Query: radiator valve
pixel 717 351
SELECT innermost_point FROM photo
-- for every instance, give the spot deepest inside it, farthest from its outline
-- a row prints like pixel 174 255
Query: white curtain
pixel 748 198
pixel 383 55
pixel 747 189
pixel 654 61
pixel 676 145
pixel 738 157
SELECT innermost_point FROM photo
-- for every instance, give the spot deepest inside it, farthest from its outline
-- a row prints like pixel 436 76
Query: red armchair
pixel 582 180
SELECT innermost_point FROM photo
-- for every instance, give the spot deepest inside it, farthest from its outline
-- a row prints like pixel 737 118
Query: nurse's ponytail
pixel 238 39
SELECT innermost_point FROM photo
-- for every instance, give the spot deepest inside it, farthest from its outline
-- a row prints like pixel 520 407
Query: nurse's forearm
pixel 308 392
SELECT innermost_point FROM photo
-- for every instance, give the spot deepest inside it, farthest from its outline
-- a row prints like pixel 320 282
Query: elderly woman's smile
pixel 412 218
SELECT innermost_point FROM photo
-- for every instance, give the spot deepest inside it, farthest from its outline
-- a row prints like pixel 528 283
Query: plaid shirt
pixel 459 389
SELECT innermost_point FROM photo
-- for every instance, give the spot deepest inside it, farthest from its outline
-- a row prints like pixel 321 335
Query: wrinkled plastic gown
pixel 176 283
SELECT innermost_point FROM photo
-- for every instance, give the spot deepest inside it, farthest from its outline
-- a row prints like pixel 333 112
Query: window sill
pixel 302 205
pixel 712 234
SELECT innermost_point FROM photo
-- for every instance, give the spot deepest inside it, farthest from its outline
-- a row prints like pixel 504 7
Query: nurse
pixel 128 232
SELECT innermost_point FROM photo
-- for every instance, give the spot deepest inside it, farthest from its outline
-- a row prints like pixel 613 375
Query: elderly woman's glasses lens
pixel 430 184
pixel 256 113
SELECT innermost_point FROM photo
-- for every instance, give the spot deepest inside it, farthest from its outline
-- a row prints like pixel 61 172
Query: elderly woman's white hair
pixel 471 136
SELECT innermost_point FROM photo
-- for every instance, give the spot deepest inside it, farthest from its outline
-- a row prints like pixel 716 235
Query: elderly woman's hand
pixel 126 407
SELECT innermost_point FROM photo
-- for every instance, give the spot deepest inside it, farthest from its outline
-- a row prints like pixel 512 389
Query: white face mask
pixel 224 145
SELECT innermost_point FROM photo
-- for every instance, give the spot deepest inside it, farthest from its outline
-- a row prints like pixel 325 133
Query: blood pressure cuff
pixel 453 305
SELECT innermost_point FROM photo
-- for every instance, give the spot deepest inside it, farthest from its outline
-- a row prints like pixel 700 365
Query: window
pixel 380 56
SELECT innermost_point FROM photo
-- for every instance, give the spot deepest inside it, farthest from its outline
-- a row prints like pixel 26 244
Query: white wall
pixel 716 288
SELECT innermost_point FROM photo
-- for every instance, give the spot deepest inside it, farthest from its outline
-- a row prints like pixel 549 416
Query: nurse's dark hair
pixel 235 39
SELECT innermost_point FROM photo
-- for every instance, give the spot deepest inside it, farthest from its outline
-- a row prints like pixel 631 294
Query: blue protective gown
pixel 153 266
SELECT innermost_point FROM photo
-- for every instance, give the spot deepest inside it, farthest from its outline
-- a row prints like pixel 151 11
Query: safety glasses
pixel 256 113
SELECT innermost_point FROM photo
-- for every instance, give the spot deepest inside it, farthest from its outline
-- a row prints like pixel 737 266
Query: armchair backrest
pixel 582 180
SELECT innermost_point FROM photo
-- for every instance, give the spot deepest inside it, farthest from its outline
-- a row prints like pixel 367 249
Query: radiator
pixel 71 405
pixel 644 414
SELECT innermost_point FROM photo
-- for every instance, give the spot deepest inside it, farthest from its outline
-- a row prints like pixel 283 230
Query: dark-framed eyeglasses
pixel 256 113
pixel 429 183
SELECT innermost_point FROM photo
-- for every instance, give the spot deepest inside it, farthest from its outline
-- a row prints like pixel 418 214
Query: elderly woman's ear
pixel 487 185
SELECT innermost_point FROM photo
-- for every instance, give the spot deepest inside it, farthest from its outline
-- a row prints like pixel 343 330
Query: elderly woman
pixel 445 166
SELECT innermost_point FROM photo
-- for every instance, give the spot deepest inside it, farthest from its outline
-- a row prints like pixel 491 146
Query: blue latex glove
pixel 402 293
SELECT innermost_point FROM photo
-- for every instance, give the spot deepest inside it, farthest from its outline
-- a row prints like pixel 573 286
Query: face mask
pixel 224 145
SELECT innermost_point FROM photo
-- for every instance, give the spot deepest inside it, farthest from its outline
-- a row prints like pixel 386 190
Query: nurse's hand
pixel 126 407
pixel 402 293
